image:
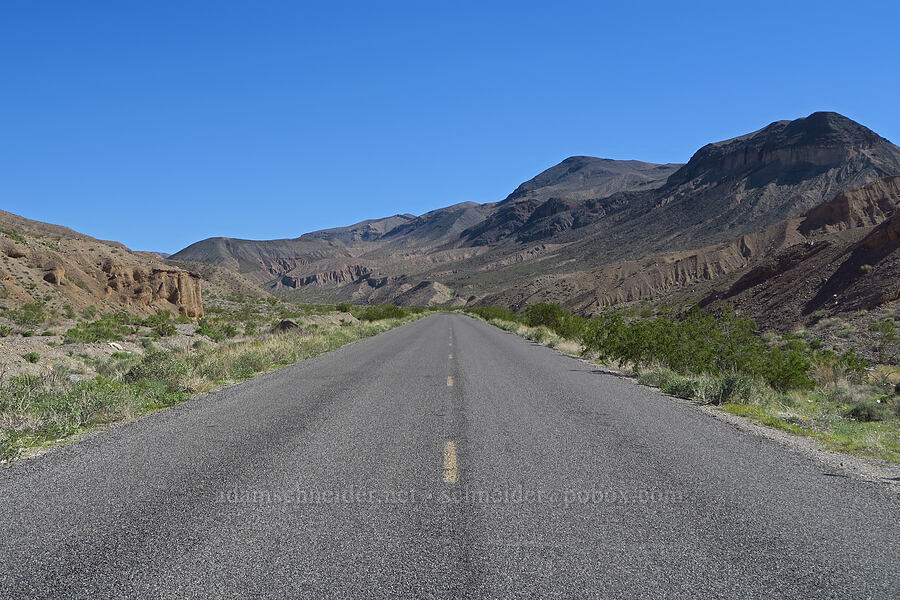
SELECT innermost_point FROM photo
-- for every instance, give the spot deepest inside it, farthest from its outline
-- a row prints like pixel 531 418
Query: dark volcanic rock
pixel 285 326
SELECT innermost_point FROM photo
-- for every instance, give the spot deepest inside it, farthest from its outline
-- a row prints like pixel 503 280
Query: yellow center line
pixel 449 380
pixel 451 469
pixel 450 356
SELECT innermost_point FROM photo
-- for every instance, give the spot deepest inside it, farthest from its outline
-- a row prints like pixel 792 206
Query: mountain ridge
pixel 575 217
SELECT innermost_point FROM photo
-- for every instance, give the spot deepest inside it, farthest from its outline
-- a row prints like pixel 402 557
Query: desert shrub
pixel 731 387
pixel 682 387
pixel 344 307
pixel 887 329
pixel 13 234
pixel 5 330
pixel 542 314
pixel 788 367
pixel 215 330
pixel 869 411
pixel 657 377
pixel 539 334
pixel 489 313
pixel 248 363
pixel 829 368
pixel 32 357
pixel 553 316
pixel 161 323
pixel 31 313
pixel 109 327
pixel 164 369
pixel 698 343
pixel 570 326
pixel 378 312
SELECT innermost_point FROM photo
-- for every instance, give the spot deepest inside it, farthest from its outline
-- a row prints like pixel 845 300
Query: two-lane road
pixel 443 459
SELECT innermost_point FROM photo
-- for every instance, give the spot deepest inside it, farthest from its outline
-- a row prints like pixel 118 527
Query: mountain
pixel 584 232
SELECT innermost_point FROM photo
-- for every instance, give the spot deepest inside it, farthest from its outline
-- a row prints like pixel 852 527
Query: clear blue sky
pixel 161 123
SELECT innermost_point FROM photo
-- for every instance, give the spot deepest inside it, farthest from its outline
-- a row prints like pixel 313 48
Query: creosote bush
pixel 378 312
pixel 692 344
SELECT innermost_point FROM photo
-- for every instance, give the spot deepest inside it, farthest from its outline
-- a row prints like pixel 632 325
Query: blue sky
pixel 161 123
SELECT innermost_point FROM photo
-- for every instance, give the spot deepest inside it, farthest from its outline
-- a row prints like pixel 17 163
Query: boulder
pixel 285 326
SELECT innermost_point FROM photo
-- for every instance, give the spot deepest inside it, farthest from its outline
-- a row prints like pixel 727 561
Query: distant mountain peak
pixel 822 140
pixel 589 176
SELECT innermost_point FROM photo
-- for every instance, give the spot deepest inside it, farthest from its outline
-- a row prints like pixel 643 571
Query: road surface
pixel 442 459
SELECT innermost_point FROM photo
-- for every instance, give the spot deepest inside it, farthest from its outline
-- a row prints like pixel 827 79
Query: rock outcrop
pixel 70 269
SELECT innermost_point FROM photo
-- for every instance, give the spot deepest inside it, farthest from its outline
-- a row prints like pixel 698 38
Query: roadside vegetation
pixel 169 360
pixel 784 381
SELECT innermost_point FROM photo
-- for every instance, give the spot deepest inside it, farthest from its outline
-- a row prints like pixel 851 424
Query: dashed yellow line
pixel 449 380
pixel 450 356
pixel 451 466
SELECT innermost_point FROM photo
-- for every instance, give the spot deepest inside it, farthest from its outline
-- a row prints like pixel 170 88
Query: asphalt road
pixel 443 459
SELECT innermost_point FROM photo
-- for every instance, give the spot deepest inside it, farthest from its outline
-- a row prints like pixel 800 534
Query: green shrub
pixel 32 357
pixel 657 377
pixel 109 327
pixel 542 314
pixel 161 323
pixel 869 411
pixel 344 307
pixel 248 363
pixel 31 313
pixel 382 311
pixel 788 367
pixel 215 330
pixel 12 233
pixel 489 313
pixel 729 388
pixel 5 330
pixel 553 316
pixel 887 329
pixel 158 365
pixel 682 387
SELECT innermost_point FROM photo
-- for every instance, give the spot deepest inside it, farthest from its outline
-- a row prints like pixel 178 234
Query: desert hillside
pixel 590 232
pixel 66 271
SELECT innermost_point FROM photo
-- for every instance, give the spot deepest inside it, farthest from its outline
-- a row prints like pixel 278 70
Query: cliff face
pixel 344 274
pixel 164 288
pixel 63 268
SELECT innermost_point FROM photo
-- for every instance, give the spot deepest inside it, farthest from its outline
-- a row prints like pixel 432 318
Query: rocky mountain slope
pixel 47 263
pixel 846 257
pixel 585 232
